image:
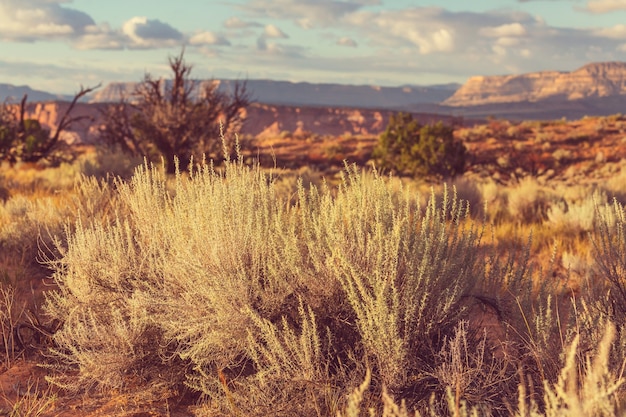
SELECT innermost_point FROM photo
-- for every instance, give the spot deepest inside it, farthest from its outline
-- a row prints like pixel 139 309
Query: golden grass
pixel 40 203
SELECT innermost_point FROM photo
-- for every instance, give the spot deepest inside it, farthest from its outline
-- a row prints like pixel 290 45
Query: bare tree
pixel 24 139
pixel 181 118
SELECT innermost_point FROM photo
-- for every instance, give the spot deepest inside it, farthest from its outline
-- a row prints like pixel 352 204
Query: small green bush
pixel 411 148
pixel 26 140
pixel 23 142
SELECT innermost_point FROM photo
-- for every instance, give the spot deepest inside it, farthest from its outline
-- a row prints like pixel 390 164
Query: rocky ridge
pixel 592 81
pixel 309 94
pixel 14 93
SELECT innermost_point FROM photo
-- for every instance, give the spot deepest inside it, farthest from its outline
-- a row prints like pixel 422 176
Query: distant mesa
pixel 592 81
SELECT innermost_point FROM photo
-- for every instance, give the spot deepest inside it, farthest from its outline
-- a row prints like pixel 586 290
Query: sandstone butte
pixel 595 80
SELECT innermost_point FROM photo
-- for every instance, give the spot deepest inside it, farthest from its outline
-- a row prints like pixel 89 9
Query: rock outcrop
pixel 49 114
pixel 270 120
pixel 592 81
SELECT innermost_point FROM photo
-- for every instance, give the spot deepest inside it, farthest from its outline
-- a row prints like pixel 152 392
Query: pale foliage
pixel 582 390
pixel 267 303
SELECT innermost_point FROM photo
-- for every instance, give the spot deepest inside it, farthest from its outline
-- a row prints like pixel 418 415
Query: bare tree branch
pixel 66 120
pixel 180 117
pixel 26 140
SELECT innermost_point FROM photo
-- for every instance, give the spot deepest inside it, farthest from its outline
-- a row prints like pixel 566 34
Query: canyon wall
pixel 261 120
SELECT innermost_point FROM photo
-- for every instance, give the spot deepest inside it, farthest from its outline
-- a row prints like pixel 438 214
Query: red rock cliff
pixel 591 81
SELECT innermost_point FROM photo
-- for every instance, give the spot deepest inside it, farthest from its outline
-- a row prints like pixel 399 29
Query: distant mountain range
pixel 14 94
pixel 309 94
pixel 275 93
pixel 594 89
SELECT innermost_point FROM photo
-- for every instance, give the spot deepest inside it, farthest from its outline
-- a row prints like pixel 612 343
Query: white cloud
pixel 441 40
pixel 420 27
pixel 236 23
pixel 286 50
pixel 275 50
pixel 30 20
pixel 346 41
pixel 271 31
pixel 614 32
pixel 100 37
pixel 51 20
pixel 306 13
pixel 505 30
pixel 392 40
pixel 508 41
pixel 208 38
pixel 605 6
pixel 150 33
pixel 499 50
pixel 305 23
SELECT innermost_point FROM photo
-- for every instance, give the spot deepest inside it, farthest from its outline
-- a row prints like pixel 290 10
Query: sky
pixel 59 45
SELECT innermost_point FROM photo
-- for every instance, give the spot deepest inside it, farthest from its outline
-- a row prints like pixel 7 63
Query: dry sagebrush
pixel 264 303
pixel 256 302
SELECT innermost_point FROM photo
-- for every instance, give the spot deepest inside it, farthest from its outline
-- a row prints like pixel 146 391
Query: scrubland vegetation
pixel 228 288
pixel 242 291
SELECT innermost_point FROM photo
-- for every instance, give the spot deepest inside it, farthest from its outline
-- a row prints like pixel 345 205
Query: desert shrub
pixel 410 148
pixel 605 290
pixel 562 155
pixel 615 185
pixel 587 390
pixel 528 201
pixel 267 303
pixel 25 140
pixel 587 387
pixel 10 314
pixel 609 250
pixel 530 319
pixel 469 191
pixel 177 118
pixel 30 224
pixel 288 181
pixel 27 224
pixel 575 216
pixel 468 368
pixel 260 304
pixel 183 277
pixel 578 265
pixel 107 162
pixel 495 200
pixel 31 400
pixel 389 259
